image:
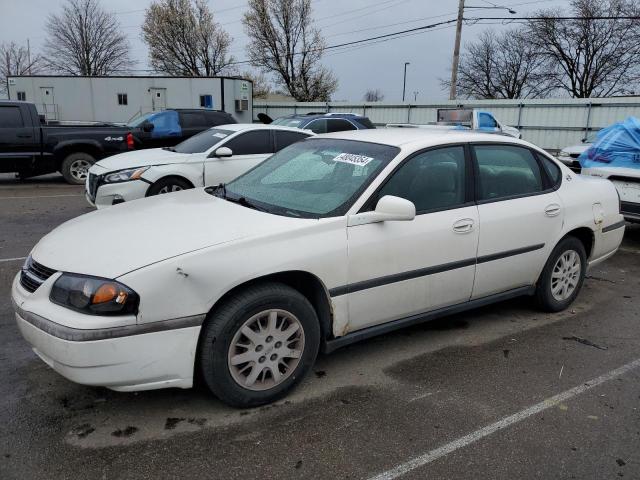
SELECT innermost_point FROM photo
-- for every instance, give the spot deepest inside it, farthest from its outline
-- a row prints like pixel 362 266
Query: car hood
pixel 576 149
pixel 114 241
pixel 141 158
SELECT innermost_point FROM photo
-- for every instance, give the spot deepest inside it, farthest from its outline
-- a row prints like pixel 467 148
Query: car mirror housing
pixel 222 152
pixel 148 127
pixel 389 208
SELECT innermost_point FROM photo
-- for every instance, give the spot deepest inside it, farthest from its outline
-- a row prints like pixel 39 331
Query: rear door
pixel 400 269
pixel 249 149
pixel 19 144
pixel 192 123
pixel 521 216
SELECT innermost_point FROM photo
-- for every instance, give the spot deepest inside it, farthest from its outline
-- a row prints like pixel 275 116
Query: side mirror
pixel 148 127
pixel 222 152
pixel 389 208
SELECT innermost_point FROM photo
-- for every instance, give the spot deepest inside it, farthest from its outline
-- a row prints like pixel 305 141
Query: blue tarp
pixel 165 124
pixel 615 146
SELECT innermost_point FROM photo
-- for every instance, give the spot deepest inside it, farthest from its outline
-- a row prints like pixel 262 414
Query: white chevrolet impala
pixel 334 239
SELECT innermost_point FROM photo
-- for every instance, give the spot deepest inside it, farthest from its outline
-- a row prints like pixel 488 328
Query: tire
pixel 168 185
pixel 75 167
pixel 223 339
pixel 562 276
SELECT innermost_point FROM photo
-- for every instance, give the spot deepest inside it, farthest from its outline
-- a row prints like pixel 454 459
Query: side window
pixel 506 171
pixel 11 117
pixel 338 125
pixel 284 139
pixel 317 126
pixel 431 180
pixel 486 121
pixel 553 171
pixel 251 143
pixel 193 119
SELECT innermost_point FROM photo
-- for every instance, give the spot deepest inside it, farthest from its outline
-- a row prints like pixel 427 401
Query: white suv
pixel 329 241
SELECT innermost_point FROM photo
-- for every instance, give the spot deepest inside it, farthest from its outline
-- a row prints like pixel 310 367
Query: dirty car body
pixel 342 237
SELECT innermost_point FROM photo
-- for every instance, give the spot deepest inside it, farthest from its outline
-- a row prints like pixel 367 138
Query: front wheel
pixel 168 185
pixel 563 275
pixel 258 345
pixel 75 167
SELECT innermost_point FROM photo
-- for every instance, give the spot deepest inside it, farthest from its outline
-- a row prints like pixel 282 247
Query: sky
pixel 358 68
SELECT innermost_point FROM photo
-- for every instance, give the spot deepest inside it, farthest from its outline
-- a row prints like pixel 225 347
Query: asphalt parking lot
pixel 498 393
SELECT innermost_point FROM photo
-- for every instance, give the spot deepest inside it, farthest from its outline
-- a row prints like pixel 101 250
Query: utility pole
pixel 404 83
pixel 456 52
pixel 28 56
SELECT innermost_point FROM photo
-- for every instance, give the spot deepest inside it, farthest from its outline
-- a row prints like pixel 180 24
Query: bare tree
pixel 373 95
pixel 501 66
pixel 184 39
pixel 261 85
pixel 14 60
pixel 85 39
pixel 283 41
pixel 586 57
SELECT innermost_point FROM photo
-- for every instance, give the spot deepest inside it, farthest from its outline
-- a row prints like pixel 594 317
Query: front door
pixel 158 98
pixel 519 214
pixel 402 268
pixel 249 149
pixel 19 144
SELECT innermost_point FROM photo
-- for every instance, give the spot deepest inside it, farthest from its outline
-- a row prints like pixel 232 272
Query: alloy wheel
pixel 565 275
pixel 266 350
pixel 79 169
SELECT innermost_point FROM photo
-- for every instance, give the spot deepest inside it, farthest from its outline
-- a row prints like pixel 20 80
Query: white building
pixel 120 99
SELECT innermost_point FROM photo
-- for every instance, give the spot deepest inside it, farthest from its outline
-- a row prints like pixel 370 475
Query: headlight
pixel 93 295
pixel 125 175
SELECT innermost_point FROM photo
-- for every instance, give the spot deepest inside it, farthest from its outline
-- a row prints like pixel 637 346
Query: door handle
pixel 464 225
pixel 552 210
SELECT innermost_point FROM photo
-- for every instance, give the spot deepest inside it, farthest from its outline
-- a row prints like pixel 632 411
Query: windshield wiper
pixel 246 203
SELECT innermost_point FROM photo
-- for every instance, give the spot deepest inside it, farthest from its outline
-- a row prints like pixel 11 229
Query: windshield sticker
pixel 353 159
pixel 220 135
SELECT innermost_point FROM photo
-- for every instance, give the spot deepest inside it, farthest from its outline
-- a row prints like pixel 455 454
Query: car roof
pixel 237 127
pixel 197 110
pixel 418 137
pixel 314 115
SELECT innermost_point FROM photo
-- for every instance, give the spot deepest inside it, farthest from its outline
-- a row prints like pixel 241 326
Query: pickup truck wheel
pixel 168 185
pixel 563 275
pixel 75 167
pixel 258 345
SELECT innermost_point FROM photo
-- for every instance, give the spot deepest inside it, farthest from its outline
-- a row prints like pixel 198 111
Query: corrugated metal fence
pixel 549 123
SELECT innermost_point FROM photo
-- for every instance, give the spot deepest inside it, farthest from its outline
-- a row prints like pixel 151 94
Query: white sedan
pixel 216 155
pixel 329 241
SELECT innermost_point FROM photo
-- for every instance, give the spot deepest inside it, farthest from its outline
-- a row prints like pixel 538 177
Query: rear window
pixel 365 122
pixel 10 117
pixel 219 118
pixel 193 119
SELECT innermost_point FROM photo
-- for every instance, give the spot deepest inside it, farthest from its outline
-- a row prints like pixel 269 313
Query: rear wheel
pixel 563 275
pixel 168 185
pixel 258 345
pixel 75 167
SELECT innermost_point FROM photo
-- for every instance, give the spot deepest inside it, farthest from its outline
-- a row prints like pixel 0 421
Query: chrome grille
pixel 34 274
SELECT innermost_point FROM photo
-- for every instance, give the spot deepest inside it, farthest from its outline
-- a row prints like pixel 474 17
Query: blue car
pixel 323 122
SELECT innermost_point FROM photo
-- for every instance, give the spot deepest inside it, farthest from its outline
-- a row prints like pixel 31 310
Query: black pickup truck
pixel 29 146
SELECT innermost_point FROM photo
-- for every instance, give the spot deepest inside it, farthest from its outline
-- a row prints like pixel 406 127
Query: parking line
pixel 40 196
pixel 15 259
pixel 473 437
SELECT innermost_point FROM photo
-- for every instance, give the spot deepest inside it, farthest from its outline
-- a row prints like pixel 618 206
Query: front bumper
pixel 124 358
pixel 122 192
